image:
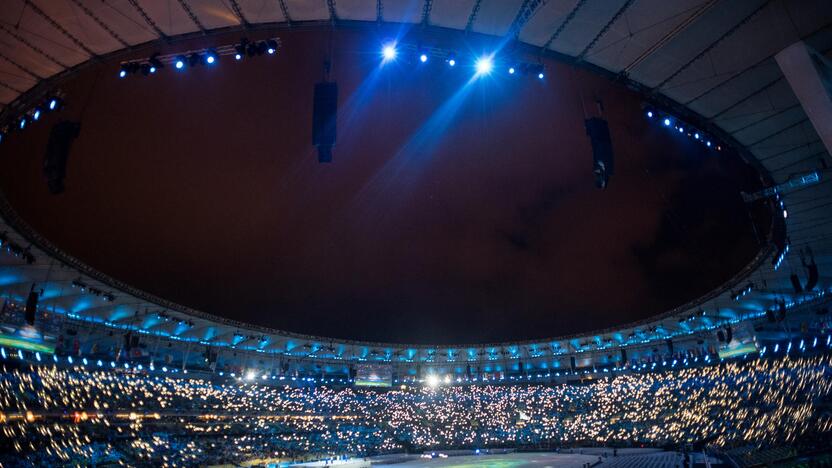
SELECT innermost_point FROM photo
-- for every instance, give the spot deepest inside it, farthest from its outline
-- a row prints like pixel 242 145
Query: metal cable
pixel 37 49
pixel 565 23
pixel 100 23
pixel 60 28
pixel 191 15
pixel 147 18
pixel 606 28
pixel 713 45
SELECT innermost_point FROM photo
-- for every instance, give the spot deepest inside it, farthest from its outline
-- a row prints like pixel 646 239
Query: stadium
pixel 416 233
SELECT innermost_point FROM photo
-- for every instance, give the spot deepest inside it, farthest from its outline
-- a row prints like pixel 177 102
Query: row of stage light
pixel 670 122
pixel 481 65
pixel 193 58
pixel 31 116
pixel 390 52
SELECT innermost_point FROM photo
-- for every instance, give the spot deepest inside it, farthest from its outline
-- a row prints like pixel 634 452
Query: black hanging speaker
pixel 324 116
pixel 796 283
pixel 623 356
pixel 602 154
pixel 57 152
pixel 813 274
pixel 31 306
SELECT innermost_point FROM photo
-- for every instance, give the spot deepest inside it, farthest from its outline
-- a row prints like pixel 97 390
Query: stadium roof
pixel 711 61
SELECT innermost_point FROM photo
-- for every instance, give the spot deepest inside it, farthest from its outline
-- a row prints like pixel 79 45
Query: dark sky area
pixel 454 211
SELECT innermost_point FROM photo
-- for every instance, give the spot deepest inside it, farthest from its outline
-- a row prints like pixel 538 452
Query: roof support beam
pixel 618 14
pixel 771 116
pixel 21 67
pixel 745 99
pixel 192 15
pixel 713 45
pixel 60 28
pixel 669 36
pixel 285 10
pixel 100 23
pixel 475 10
pixel 28 44
pixel 238 12
pixel 333 13
pixel 10 88
pixel 426 9
pixel 563 25
pixel 779 132
pixel 147 18
pixel 524 14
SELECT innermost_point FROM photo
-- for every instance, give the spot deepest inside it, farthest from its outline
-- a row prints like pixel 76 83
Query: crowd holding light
pixel 56 415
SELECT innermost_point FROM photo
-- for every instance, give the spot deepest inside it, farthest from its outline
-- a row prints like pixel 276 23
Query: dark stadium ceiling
pixel 711 58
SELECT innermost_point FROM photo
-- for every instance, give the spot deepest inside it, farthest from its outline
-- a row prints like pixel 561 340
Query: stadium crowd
pixel 51 416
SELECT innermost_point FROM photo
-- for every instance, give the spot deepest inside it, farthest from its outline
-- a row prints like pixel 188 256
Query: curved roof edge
pixel 658 100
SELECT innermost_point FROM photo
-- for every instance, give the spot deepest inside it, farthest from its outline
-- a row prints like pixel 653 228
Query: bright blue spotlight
pixel 423 58
pixel 53 104
pixel 650 114
pixel 667 122
pixel 238 56
pixel 270 51
pixel 540 75
pixel 122 73
pixel 484 65
pixel 511 70
pixel 681 130
pixel 180 64
pixel 389 52
pixel 708 144
pixel 696 135
pixel 452 62
pixel 36 114
pixel 152 69
pixel 22 124
pixel 210 59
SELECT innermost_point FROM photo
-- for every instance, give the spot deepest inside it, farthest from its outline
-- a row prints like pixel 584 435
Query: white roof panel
pixel 356 10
